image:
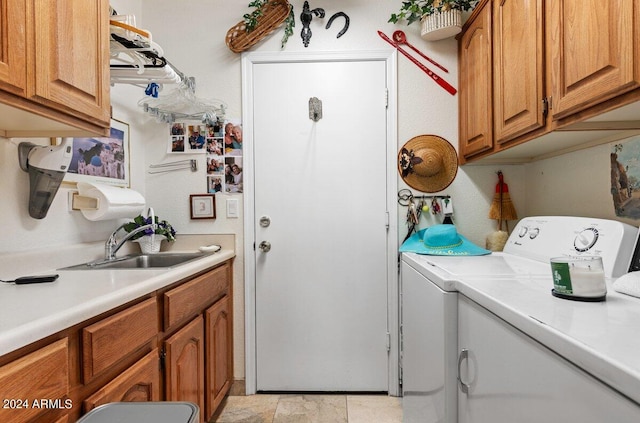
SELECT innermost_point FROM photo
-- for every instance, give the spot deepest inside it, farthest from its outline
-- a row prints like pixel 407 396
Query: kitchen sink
pixel 139 261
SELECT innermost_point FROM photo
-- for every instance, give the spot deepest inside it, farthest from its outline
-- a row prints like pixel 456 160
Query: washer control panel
pixel 544 237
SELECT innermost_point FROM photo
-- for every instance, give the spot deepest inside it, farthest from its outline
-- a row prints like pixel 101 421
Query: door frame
pixel 393 320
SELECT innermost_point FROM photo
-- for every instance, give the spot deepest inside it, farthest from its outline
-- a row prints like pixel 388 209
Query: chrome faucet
pixel 112 245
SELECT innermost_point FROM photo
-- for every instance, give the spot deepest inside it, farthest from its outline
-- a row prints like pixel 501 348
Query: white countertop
pixel 602 338
pixel 31 312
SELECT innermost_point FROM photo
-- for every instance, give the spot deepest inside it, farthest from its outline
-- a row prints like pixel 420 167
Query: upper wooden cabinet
pixel 13 56
pixel 593 52
pixel 475 96
pixel 518 68
pixel 54 68
pixel 554 64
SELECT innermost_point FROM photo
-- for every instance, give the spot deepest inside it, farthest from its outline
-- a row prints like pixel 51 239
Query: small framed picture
pixel 203 206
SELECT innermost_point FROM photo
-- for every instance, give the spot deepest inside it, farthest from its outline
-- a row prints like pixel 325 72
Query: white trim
pixel 247 61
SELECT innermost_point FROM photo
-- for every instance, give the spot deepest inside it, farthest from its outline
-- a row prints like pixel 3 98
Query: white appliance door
pixel 429 349
pixel 321 289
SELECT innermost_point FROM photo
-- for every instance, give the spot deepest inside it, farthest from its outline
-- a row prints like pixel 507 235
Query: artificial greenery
pixel 413 10
pixel 289 23
pixel 163 228
pixel 251 20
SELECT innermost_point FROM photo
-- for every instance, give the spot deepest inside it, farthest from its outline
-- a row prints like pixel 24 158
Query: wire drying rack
pixel 137 60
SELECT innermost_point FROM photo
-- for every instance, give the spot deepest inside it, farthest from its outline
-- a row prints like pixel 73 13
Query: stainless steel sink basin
pixel 140 261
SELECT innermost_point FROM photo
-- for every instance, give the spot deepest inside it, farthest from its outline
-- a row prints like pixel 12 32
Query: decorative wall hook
pixel 305 17
pixel 346 23
pixel 315 109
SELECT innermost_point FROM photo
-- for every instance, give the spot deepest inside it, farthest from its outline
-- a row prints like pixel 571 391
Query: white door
pixel 321 290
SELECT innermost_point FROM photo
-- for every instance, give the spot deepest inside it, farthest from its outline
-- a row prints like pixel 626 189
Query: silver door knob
pixel 265 246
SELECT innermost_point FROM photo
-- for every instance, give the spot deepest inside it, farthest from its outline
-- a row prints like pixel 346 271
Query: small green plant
pixel 163 228
pixel 413 10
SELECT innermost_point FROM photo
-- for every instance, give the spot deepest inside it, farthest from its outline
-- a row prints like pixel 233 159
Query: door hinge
pixel 400 355
pixel 388 342
pixel 546 105
pixel 386 98
pixel 163 356
pixel 386 220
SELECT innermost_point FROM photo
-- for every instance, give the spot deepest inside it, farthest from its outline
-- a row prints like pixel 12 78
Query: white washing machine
pixel 429 298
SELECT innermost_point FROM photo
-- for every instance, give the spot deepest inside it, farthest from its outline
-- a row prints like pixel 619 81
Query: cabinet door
pixel 41 375
pixel 13 57
pixel 71 57
pixel 511 377
pixel 140 382
pixel 219 353
pixel 476 133
pixel 184 365
pixel 594 49
pixel 518 68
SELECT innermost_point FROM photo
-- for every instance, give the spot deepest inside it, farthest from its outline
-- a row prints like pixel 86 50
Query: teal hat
pixel 441 240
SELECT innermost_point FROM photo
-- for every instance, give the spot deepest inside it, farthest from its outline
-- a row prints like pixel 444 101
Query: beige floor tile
pixel 374 408
pixel 249 409
pixel 311 409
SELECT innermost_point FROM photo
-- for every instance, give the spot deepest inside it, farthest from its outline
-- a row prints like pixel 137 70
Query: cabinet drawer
pixel 110 340
pixel 191 298
pixel 43 374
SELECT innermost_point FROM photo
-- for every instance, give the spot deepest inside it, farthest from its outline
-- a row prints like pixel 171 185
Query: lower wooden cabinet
pixel 140 382
pixel 199 359
pixel 36 384
pixel 184 365
pixel 219 357
pixel 171 345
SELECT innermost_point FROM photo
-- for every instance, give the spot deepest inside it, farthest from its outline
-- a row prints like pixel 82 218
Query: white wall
pixel 574 184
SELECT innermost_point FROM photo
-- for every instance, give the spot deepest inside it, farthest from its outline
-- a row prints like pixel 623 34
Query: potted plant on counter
pixel 149 239
pixel 440 18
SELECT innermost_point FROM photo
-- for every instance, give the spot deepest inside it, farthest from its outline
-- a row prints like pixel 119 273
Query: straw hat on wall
pixel 428 163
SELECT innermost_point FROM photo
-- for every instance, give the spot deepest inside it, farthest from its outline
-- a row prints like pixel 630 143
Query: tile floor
pixel 299 408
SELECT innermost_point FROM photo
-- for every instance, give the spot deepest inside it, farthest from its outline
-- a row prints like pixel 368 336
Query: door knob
pixel 265 246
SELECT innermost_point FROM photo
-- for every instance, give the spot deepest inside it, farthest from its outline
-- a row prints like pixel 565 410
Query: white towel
pixel 628 284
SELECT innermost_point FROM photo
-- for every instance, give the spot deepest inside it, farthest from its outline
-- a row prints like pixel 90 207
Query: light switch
pixel 232 207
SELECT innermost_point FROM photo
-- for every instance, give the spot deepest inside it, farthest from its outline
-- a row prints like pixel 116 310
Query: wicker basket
pixel 274 14
pixel 441 25
pixel 150 244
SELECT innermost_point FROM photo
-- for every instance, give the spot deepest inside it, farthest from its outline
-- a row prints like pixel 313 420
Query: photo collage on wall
pixel 222 144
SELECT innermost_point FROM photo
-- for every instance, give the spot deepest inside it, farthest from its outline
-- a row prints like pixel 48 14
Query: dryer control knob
pixel 585 239
pixel 523 231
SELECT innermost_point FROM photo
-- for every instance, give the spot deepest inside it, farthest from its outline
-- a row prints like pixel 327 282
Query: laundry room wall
pixel 574 184
pixel 192 33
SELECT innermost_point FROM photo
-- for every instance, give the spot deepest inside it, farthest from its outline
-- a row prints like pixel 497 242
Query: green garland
pixel 251 20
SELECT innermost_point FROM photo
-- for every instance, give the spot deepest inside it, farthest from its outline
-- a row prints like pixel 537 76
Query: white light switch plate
pixel 232 207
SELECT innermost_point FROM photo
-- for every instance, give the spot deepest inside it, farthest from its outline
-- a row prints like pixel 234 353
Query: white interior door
pixel 321 290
